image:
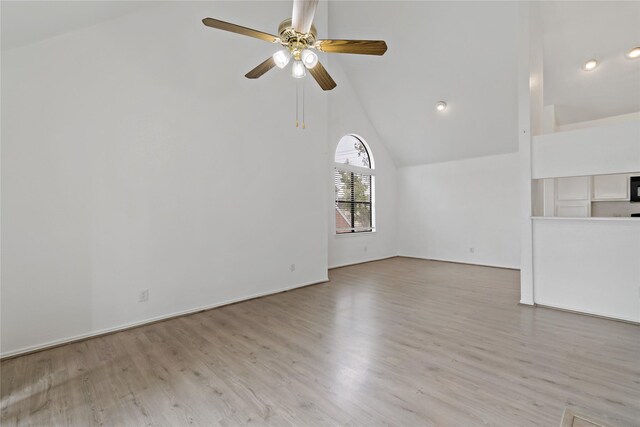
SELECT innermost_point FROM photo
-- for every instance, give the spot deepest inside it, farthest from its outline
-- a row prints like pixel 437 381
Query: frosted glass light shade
pixel 297 70
pixel 309 58
pixel 281 58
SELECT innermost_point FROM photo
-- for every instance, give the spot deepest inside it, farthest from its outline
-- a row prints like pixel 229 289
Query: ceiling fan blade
pixel 261 69
pixel 360 47
pixel 302 16
pixel 322 77
pixel 227 26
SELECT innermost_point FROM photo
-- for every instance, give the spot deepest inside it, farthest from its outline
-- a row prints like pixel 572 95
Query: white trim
pixel 347 264
pixel 364 142
pixel 506 267
pixel 358 233
pixel 126 326
pixel 590 218
pixel 372 162
pixel 587 312
pixel 354 169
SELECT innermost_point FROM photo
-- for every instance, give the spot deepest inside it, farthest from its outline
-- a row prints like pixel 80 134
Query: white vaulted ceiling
pixel 24 22
pixel 464 53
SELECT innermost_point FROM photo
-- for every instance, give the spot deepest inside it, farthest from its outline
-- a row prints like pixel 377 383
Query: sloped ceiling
pixel 24 22
pixel 577 31
pixel 464 53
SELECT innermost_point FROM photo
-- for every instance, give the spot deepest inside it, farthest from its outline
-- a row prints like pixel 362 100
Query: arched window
pixel 353 179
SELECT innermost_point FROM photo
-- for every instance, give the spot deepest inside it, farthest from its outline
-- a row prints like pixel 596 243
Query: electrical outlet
pixel 292 268
pixel 143 295
pixel 472 250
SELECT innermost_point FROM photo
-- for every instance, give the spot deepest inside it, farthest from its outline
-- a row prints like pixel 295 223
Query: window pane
pixel 350 186
pixel 362 216
pixel 361 187
pixel 351 151
pixel 343 185
pixel 343 217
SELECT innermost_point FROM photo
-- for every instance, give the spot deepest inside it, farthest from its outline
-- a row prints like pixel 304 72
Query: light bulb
pixel 441 106
pixel 297 70
pixel 590 65
pixel 281 58
pixel 309 58
pixel 634 53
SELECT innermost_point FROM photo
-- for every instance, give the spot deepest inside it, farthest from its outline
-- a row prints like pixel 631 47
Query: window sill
pixel 360 234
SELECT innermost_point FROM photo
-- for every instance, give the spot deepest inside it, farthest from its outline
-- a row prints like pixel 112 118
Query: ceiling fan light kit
pixel 282 58
pixel 298 36
pixel 309 58
pixel 298 69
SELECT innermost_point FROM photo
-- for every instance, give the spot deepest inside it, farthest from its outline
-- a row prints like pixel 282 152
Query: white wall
pixel 136 155
pixel 599 122
pixel 447 208
pixel 588 265
pixel 601 150
pixel 346 116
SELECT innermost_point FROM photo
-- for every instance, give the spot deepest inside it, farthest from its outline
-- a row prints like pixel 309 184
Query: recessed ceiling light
pixel 441 106
pixel 590 65
pixel 634 53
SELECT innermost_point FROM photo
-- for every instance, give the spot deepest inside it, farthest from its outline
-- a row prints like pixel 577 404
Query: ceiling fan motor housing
pixel 295 41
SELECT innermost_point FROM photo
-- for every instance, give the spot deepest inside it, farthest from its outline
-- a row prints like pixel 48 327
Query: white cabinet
pixel 572 188
pixel 611 187
pixel 572 197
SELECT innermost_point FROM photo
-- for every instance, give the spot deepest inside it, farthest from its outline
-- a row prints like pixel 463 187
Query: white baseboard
pixel 93 334
pixel 506 267
pixel 587 313
pixel 347 264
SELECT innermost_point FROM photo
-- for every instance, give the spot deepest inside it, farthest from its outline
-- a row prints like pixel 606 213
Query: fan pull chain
pixel 303 126
pixel 300 94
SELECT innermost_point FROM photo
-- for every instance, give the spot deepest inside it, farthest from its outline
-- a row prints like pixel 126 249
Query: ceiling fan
pixel 298 36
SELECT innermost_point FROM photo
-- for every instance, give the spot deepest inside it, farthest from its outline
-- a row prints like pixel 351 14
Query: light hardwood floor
pixel 400 342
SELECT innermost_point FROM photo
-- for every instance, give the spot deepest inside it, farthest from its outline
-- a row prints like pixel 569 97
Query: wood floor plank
pixel 402 342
